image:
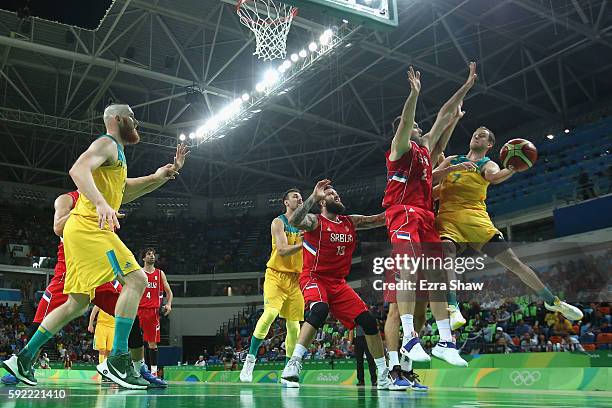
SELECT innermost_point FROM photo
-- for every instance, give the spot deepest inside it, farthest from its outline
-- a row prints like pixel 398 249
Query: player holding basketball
pixel 463 219
pixel 94 253
pixel 329 241
pixel 148 309
pixel 105 297
pixel 409 211
pixel 282 294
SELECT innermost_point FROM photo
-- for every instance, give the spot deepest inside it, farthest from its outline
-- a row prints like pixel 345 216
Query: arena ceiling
pixel 539 62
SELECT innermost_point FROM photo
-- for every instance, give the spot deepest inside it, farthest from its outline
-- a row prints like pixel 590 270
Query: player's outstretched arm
pixel 102 150
pixel 137 187
pixel 446 168
pixel 169 294
pixel 62 205
pixel 301 217
pixel 448 132
pixel 363 222
pixel 282 245
pixel 447 112
pixel 494 175
pixel 401 140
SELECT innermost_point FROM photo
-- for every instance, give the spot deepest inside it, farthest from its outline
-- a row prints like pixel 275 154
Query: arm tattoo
pixel 302 219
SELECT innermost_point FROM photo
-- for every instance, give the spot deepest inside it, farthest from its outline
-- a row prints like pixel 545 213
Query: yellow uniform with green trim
pixel 462 215
pixel 282 286
pixel 105 331
pixel 95 256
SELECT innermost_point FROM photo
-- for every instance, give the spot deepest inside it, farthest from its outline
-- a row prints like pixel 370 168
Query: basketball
pixel 519 153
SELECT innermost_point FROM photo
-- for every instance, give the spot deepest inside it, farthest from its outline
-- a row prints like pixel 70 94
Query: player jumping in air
pixel 409 210
pixel 282 294
pixel 94 253
pixel 449 115
pixel 148 309
pixel 329 242
pixel 463 219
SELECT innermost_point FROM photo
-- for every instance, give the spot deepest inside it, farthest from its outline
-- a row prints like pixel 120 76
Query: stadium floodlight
pixel 566 130
pixel 182 137
pixel 192 135
pixel 276 80
pixel 550 137
pixel 271 76
pixel 326 37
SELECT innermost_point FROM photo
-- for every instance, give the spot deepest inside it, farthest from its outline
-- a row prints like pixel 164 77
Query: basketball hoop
pixel 270 21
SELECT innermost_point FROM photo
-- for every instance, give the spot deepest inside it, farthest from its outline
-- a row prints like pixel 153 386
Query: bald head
pixel 120 121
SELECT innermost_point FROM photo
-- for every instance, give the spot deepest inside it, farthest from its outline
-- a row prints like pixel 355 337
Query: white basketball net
pixel 270 22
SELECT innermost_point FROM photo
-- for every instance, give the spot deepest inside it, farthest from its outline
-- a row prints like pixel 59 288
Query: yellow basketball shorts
pixel 94 256
pixel 282 292
pixel 103 337
pixel 473 227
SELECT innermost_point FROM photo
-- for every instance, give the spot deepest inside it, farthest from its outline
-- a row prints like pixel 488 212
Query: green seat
pixel 464 336
pixel 435 339
pixel 424 339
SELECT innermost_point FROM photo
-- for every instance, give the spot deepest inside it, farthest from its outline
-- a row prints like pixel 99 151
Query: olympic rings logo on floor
pixel 526 378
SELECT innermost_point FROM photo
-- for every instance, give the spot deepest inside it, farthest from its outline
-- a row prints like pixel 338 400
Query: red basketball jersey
pixel 328 250
pixel 60 267
pixel 409 179
pixel 153 292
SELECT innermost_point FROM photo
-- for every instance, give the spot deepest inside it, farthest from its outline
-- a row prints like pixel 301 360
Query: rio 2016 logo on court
pixel 525 378
pixel 328 378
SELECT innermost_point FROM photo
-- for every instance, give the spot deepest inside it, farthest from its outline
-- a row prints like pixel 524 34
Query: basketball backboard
pixel 373 13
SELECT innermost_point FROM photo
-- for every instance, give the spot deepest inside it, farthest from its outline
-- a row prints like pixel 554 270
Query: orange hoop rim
pixel 294 12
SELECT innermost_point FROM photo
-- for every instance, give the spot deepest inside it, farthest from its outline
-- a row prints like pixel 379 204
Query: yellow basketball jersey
pixel 291 263
pixel 106 320
pixel 464 189
pixel 110 181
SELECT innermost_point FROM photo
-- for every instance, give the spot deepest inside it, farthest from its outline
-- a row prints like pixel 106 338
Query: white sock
pixel 381 364
pixel 154 369
pixel 298 351
pixel 137 365
pixel 407 325
pixel 393 359
pixel 444 330
pixel 406 364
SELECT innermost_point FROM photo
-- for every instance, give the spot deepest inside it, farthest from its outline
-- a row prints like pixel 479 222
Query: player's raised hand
pixel 179 157
pixel 166 172
pixel 319 191
pixel 472 75
pixel 106 214
pixel 414 78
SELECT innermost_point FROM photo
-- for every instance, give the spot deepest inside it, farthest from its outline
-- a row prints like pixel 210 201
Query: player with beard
pixel 463 219
pixel 410 218
pixel 329 241
pixel 94 252
pixel 282 294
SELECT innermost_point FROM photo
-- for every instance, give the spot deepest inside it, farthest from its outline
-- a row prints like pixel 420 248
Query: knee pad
pixel 135 338
pixel 265 321
pixel 318 314
pixel 367 323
